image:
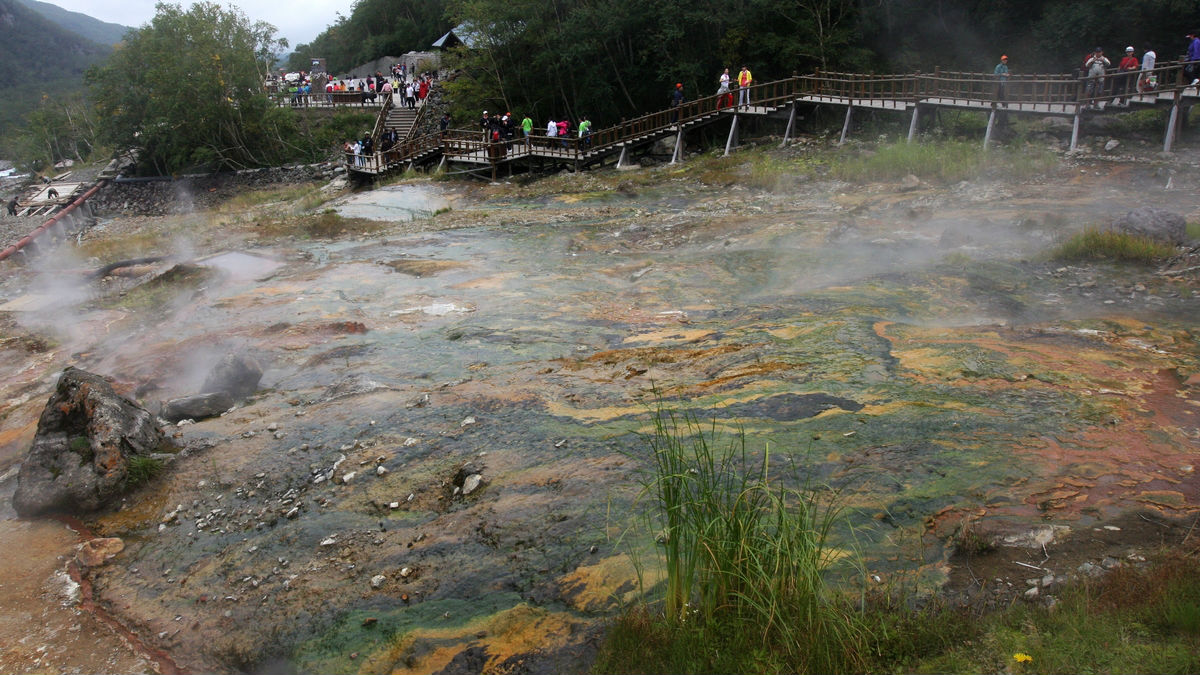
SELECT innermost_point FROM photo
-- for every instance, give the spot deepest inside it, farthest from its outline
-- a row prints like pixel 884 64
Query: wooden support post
pixel 621 159
pixel 731 141
pixel 787 133
pixel 987 135
pixel 678 154
pixel 912 125
pixel 1075 128
pixel 1172 122
pixel 846 124
pixel 442 163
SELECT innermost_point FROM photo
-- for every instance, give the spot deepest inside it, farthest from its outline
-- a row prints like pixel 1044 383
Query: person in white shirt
pixel 1148 81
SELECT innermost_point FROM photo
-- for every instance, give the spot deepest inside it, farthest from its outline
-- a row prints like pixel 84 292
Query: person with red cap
pixel 676 102
pixel 1001 73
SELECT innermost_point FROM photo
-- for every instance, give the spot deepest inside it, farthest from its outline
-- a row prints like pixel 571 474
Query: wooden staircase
pixel 402 119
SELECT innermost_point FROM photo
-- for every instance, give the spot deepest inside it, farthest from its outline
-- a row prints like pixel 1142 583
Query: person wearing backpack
pixel 745 79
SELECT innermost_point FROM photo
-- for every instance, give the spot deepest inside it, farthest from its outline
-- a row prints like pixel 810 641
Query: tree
pixel 186 90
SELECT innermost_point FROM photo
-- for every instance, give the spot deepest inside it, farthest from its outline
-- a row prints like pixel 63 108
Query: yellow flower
pixel 1020 657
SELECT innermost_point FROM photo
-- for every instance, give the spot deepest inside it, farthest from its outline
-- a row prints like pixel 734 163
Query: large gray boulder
pixel 1157 224
pixel 196 407
pixel 234 374
pixel 85 439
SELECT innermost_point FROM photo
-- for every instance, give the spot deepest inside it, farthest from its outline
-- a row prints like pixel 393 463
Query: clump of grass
pixel 1193 231
pixel 970 540
pixel 1099 244
pixel 141 469
pixel 942 160
pixel 745 560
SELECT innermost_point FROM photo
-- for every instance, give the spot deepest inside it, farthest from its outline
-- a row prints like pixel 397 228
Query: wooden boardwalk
pixel 1043 95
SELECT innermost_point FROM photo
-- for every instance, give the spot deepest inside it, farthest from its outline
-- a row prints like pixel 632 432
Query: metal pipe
pixel 28 239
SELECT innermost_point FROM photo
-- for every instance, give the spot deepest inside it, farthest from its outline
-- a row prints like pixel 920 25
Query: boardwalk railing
pixel 1049 94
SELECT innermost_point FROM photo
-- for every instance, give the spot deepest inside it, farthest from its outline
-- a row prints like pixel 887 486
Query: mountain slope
pixel 100 32
pixel 42 58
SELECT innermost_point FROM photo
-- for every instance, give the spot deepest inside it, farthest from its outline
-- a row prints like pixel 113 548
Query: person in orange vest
pixel 744 82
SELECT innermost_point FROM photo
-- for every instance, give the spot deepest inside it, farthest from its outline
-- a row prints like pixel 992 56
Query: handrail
pixel 1071 92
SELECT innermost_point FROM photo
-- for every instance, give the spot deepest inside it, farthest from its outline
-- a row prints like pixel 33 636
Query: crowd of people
pixel 1132 76
pixel 410 88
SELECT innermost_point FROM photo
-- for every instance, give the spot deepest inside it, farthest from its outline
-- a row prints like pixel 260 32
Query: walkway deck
pixel 1046 95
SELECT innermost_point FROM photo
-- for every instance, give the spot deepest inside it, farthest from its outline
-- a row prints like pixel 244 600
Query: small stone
pixel 1033 592
pixel 411 496
pixel 369 621
pixel 1109 562
pixel 381 470
pixel 410 441
pixel 1047 580
pixel 378 581
pixel 471 483
pixel 273 426
pixel 467 422
pixel 292 512
pixel 394 505
pixel 406 572
pixel 1111 145
pixel 328 541
pixel 349 476
pixel 96 552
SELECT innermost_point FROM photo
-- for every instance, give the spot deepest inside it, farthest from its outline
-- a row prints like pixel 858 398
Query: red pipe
pixel 24 241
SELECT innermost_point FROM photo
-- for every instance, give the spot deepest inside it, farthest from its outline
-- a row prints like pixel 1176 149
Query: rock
pixel 381 470
pixel 196 407
pixel 471 483
pixel 96 552
pixel 1032 592
pixel 1155 223
pixel 328 541
pixel 86 437
pixel 909 183
pixel 378 581
pixel 1111 145
pixel 406 572
pixel 467 422
pixel 234 374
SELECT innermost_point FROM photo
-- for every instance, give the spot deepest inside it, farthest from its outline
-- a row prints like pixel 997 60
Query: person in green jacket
pixel 585 131
pixel 527 127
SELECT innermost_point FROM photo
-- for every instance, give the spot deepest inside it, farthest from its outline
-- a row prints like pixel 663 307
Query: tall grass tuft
pixel 745 554
pixel 1098 244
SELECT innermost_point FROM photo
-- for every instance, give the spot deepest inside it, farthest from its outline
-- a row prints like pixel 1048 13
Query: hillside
pixel 100 32
pixel 40 57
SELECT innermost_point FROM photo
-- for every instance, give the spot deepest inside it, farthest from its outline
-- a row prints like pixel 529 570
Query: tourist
pixel 585 131
pixel 1148 81
pixel 444 124
pixel 1192 69
pixel 1126 67
pixel 1001 73
pixel 723 89
pixel 551 130
pixel 527 127
pixel 12 206
pixel 423 89
pixel 564 128
pixel 676 102
pixel 1095 64
pixel 744 82
pixel 485 124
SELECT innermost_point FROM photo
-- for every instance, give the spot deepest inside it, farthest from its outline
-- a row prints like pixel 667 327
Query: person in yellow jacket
pixel 744 82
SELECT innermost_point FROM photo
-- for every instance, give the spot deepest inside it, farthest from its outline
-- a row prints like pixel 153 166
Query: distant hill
pixel 100 32
pixel 39 57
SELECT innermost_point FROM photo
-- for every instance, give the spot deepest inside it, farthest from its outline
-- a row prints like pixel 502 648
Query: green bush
pixel 141 469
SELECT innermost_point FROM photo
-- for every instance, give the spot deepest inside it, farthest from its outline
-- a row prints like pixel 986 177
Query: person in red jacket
pixel 1127 70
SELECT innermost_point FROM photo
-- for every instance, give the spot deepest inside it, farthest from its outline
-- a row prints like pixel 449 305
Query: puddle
pixel 393 203
pixel 242 266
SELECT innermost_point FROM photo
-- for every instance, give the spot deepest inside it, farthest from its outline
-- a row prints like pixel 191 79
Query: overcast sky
pixel 297 20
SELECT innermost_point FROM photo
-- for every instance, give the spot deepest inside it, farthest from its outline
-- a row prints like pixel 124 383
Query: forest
pixel 610 59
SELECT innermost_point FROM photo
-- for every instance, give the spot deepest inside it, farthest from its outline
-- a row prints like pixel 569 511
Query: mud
pixel 913 349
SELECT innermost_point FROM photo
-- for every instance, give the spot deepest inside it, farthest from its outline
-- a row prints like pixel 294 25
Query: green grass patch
pixel 1193 231
pixel 745 559
pixel 945 161
pixel 1098 244
pixel 141 469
